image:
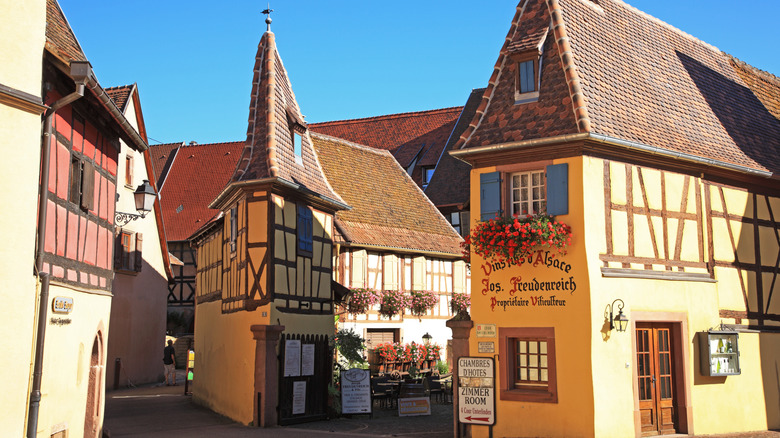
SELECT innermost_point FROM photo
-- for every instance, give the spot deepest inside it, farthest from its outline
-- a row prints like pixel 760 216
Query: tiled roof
pixel 639 80
pixel 60 40
pixel 764 85
pixel 388 209
pixel 198 174
pixel 162 156
pixel 405 135
pixel 269 146
pixel 119 95
pixel 450 182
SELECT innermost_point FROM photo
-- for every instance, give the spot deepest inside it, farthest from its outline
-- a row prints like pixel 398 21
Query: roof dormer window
pixel 297 131
pixel 526 54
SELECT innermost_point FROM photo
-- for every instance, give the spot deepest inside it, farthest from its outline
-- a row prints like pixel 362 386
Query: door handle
pixel 652 377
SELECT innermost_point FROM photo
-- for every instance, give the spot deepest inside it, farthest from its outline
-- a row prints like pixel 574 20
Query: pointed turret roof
pixel 273 116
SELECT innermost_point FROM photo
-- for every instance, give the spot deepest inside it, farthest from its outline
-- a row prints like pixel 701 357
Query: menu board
pixel 355 391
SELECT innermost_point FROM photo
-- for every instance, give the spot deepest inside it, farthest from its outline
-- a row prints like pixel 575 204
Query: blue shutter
pixel 558 189
pixel 489 195
pixel 305 241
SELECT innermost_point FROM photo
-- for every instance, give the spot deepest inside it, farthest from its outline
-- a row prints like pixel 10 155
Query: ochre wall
pixel 572 415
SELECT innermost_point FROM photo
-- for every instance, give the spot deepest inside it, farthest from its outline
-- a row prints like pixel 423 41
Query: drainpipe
pixel 80 71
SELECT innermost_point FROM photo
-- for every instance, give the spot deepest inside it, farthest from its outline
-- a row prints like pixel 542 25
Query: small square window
pixel 528 372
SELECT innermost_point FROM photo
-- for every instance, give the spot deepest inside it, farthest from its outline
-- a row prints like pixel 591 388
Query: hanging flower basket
pixel 422 301
pixel 361 300
pixel 513 239
pixel 460 303
pixel 392 302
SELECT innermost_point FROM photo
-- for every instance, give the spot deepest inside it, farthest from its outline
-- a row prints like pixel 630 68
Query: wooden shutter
pixel 118 251
pixel 489 195
pixel 139 260
pixel 88 186
pixel 305 241
pixel 558 189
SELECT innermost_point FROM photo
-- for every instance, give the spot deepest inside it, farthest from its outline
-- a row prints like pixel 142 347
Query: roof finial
pixel 267 12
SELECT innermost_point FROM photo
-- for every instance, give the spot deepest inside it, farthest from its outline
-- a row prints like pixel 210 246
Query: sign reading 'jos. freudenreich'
pixel 476 390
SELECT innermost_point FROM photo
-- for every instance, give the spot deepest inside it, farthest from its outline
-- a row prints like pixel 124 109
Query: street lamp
pixel 144 202
pixel 427 339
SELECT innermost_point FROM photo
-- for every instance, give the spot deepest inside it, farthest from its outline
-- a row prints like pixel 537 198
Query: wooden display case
pixel 719 353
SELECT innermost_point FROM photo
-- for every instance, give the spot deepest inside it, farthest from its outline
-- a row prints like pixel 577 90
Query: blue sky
pixel 346 59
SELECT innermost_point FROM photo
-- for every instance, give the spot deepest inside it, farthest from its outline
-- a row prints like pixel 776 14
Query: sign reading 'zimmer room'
pixel 530 291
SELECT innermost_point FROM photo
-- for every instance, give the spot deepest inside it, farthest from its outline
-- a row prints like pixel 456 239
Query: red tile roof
pixel 407 136
pixel 60 39
pixel 630 77
pixel 388 209
pixel 450 183
pixel 269 146
pixel 119 95
pixel 197 175
pixel 162 156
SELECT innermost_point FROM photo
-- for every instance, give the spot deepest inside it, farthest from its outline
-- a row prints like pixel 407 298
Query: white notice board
pixel 299 398
pixel 292 358
pixel 356 391
pixel 476 390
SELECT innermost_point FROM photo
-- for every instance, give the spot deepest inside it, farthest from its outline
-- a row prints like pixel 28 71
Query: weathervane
pixel 267 12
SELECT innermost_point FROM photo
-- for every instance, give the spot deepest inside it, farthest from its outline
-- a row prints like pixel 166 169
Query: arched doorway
pixel 92 415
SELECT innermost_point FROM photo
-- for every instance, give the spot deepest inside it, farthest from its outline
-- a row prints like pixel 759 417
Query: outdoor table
pixel 394 387
pixel 446 385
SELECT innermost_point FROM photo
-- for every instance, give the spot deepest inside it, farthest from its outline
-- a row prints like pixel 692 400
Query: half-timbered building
pixel 55 356
pixel 392 238
pixel 661 153
pixel 264 264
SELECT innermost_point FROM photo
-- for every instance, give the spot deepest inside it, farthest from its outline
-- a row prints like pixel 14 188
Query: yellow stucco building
pixel 668 182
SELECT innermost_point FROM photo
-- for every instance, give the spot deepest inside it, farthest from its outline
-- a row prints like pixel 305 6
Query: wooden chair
pixel 432 387
pixel 381 392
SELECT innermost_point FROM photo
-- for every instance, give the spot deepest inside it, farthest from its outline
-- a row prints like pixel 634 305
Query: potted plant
pixel 393 302
pixel 421 302
pixel 360 300
pixel 513 239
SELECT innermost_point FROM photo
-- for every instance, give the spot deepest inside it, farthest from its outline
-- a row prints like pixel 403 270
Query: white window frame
pixel 535 202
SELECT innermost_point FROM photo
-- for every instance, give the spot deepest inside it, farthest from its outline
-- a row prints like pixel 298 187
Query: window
pixel 528 193
pixel 233 228
pixel 427 174
pixel 528 370
pixel 305 235
pixel 455 221
pixel 297 141
pixel 128 255
pixel 129 171
pixel 526 77
pixel 297 131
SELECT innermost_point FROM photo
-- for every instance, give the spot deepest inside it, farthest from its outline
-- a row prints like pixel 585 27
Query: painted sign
pixel 356 391
pixel 486 330
pixel 486 347
pixel 408 407
pixel 62 305
pixel 522 291
pixel 476 390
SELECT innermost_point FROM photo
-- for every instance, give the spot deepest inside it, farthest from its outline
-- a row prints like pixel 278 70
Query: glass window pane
pixel 521 346
pixel 515 181
pixel 543 347
pixel 535 179
pixel 524 195
pixel 523 360
pixel 533 361
pixel 533 374
pixel 544 376
pixel 532 345
pixel 536 192
pixel 524 180
pixel 523 373
pixel 543 361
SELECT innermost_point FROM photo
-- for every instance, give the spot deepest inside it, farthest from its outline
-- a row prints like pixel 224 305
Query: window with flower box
pixel 531 190
pixel 528 371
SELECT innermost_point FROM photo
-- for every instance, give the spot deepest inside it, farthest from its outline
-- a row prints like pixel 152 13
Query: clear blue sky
pixel 193 59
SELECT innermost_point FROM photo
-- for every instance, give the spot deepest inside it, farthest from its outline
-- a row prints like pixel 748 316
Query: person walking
pixel 169 360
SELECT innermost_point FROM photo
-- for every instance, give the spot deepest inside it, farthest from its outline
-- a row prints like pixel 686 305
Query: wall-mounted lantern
pixel 619 322
pixel 144 202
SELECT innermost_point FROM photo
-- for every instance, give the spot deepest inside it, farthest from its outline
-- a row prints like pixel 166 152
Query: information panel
pixel 355 391
pixel 476 390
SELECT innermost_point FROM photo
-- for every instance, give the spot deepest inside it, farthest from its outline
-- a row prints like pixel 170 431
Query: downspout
pixel 80 71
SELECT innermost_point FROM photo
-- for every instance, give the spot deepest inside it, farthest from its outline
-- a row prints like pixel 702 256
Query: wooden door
pixel 655 380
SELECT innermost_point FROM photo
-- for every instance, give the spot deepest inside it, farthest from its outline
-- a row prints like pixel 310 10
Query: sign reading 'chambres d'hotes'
pixel 476 390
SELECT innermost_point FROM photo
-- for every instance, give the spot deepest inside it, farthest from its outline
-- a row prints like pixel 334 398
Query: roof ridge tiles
pixel 326 137
pixel 389 116
pixel 763 74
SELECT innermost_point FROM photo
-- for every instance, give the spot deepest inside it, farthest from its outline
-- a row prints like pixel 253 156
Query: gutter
pixel 80 71
pixel 215 204
pixel 463 154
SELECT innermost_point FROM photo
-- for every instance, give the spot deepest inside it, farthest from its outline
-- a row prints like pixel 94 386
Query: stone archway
pixel 92 414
